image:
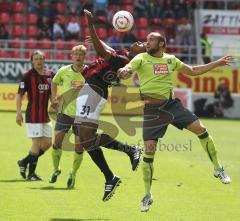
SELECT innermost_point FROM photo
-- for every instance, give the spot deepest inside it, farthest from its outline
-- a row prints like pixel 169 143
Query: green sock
pixel 209 147
pixel 147 168
pixel 56 156
pixel 78 157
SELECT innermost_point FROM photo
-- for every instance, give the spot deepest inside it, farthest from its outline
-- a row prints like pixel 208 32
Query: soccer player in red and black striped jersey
pixel 36 82
pixel 91 99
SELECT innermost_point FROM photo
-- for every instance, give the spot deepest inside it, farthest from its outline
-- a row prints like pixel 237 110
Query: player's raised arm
pixel 201 69
pixel 100 49
pixel 88 40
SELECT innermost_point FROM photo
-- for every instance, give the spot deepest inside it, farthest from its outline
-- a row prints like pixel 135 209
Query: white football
pixel 123 21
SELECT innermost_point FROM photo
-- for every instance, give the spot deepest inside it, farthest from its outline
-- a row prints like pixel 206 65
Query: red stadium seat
pixel 4 6
pixel 4 17
pixel 16 43
pixel 17 30
pixel 83 21
pixel 28 54
pixel 84 32
pixel 16 54
pixel 101 32
pixel 48 54
pixel 31 18
pixel 169 21
pixel 127 2
pixel 18 18
pixel 18 6
pixel 4 54
pixel 59 44
pixel 71 44
pixel 45 43
pixel 128 8
pixel 142 34
pixel 141 22
pixel 155 21
pixel 60 55
pixel 31 31
pixel 31 43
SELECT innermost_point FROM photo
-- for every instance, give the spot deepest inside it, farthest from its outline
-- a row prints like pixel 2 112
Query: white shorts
pixel 39 130
pixel 89 105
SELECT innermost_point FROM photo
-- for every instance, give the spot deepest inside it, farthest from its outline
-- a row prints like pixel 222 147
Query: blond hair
pixel 79 48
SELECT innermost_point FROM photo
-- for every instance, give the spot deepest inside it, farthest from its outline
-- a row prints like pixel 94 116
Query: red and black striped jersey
pixel 38 88
pixel 101 74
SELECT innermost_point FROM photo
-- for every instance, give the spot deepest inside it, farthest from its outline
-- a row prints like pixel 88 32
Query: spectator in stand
pixel 168 10
pixel 140 7
pixel 46 9
pixel 58 29
pixel 73 29
pixel 44 27
pixel 154 8
pixel 181 9
pixel 100 5
pixel 114 39
pixel 223 100
pixel 184 32
pixel 206 48
pixel 129 37
pixel 33 6
pixel 3 36
pixel 74 6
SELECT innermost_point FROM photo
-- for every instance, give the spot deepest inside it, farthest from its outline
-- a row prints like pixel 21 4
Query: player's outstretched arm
pixel 124 73
pixel 201 69
pixel 19 117
pixel 100 49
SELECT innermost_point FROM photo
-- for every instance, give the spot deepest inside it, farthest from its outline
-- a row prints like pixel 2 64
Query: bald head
pixel 155 44
pixel 158 36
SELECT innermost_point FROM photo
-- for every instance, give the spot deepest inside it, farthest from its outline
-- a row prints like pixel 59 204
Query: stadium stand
pixel 26 21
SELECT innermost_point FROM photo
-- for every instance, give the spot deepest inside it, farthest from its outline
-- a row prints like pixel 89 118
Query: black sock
pixel 110 143
pixel 25 160
pixel 33 164
pixel 99 159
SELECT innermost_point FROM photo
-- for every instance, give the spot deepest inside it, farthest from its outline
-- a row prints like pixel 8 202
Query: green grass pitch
pixel 184 188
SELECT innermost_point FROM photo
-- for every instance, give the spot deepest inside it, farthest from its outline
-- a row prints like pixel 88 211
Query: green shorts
pixel 64 123
pixel 158 117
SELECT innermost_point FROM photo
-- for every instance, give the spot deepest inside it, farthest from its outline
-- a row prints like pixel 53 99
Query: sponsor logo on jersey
pixel 43 87
pixel 160 69
pixel 76 84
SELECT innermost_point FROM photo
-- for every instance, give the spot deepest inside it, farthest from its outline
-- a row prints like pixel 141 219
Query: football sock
pixel 25 160
pixel 77 160
pixel 209 147
pixel 110 143
pixel 32 163
pixel 56 156
pixel 147 169
pixel 99 159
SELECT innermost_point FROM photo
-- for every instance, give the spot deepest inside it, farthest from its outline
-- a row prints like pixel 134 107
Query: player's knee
pixel 150 147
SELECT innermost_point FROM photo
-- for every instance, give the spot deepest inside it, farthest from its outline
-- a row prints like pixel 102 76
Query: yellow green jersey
pixel 71 82
pixel 155 73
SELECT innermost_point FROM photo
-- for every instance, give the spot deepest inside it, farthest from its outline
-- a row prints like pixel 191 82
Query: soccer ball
pixel 122 21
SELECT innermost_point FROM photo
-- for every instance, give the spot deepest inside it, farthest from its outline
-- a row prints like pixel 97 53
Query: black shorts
pixel 158 117
pixel 64 123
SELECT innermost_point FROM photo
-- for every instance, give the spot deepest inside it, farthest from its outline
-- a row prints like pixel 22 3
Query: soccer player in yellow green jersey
pixel 154 69
pixel 71 79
